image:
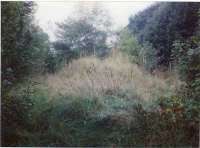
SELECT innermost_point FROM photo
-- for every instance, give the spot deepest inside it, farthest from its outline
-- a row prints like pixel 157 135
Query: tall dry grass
pixel 115 75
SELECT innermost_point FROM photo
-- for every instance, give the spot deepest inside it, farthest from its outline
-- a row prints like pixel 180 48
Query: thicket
pixel 63 94
pixel 162 24
pixel 173 31
pixel 75 108
pixel 24 44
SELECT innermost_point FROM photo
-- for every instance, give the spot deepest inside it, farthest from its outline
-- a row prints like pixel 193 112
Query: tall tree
pixel 163 23
pixel 24 44
pixel 86 33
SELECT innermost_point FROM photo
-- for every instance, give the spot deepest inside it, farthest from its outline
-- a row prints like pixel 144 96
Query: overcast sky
pixel 48 13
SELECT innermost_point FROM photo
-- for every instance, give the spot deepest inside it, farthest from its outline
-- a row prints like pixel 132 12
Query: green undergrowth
pixel 67 120
pixel 43 120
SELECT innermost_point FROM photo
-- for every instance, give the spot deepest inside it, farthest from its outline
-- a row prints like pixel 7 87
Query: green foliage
pixel 102 121
pixel 147 56
pixel 129 45
pixel 84 35
pixel 163 23
pixel 16 105
pixel 24 45
pixel 171 121
pixel 65 52
pixel 59 55
pixel 186 59
pixel 141 54
pixel 185 56
pixel 32 117
pixel 38 51
pixel 173 31
pixel 53 62
pixel 64 120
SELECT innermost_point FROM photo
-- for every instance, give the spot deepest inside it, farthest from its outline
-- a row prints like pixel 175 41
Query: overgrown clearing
pixel 91 102
pixel 95 86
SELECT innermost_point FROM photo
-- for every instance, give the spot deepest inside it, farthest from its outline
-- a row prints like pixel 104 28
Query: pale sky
pixel 48 13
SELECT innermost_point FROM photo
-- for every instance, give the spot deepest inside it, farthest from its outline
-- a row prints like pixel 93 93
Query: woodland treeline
pixel 142 89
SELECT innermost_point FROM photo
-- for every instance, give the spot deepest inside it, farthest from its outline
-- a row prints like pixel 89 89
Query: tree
pixel 129 45
pixel 162 24
pixel 24 44
pixel 186 57
pixel 24 49
pixel 147 56
pixel 85 34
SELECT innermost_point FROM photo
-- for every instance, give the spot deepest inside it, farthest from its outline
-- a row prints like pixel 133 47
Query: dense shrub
pixel 171 121
pixel 64 120
pixel 45 119
pixel 16 107
pixel 111 101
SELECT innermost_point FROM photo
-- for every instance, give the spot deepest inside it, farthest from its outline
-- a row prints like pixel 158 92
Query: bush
pixel 16 107
pixel 72 121
pixel 32 117
pixel 53 62
pixel 171 121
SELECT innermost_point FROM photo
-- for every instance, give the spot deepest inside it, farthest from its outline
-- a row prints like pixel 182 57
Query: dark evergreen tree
pixel 163 23
pixel 24 44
